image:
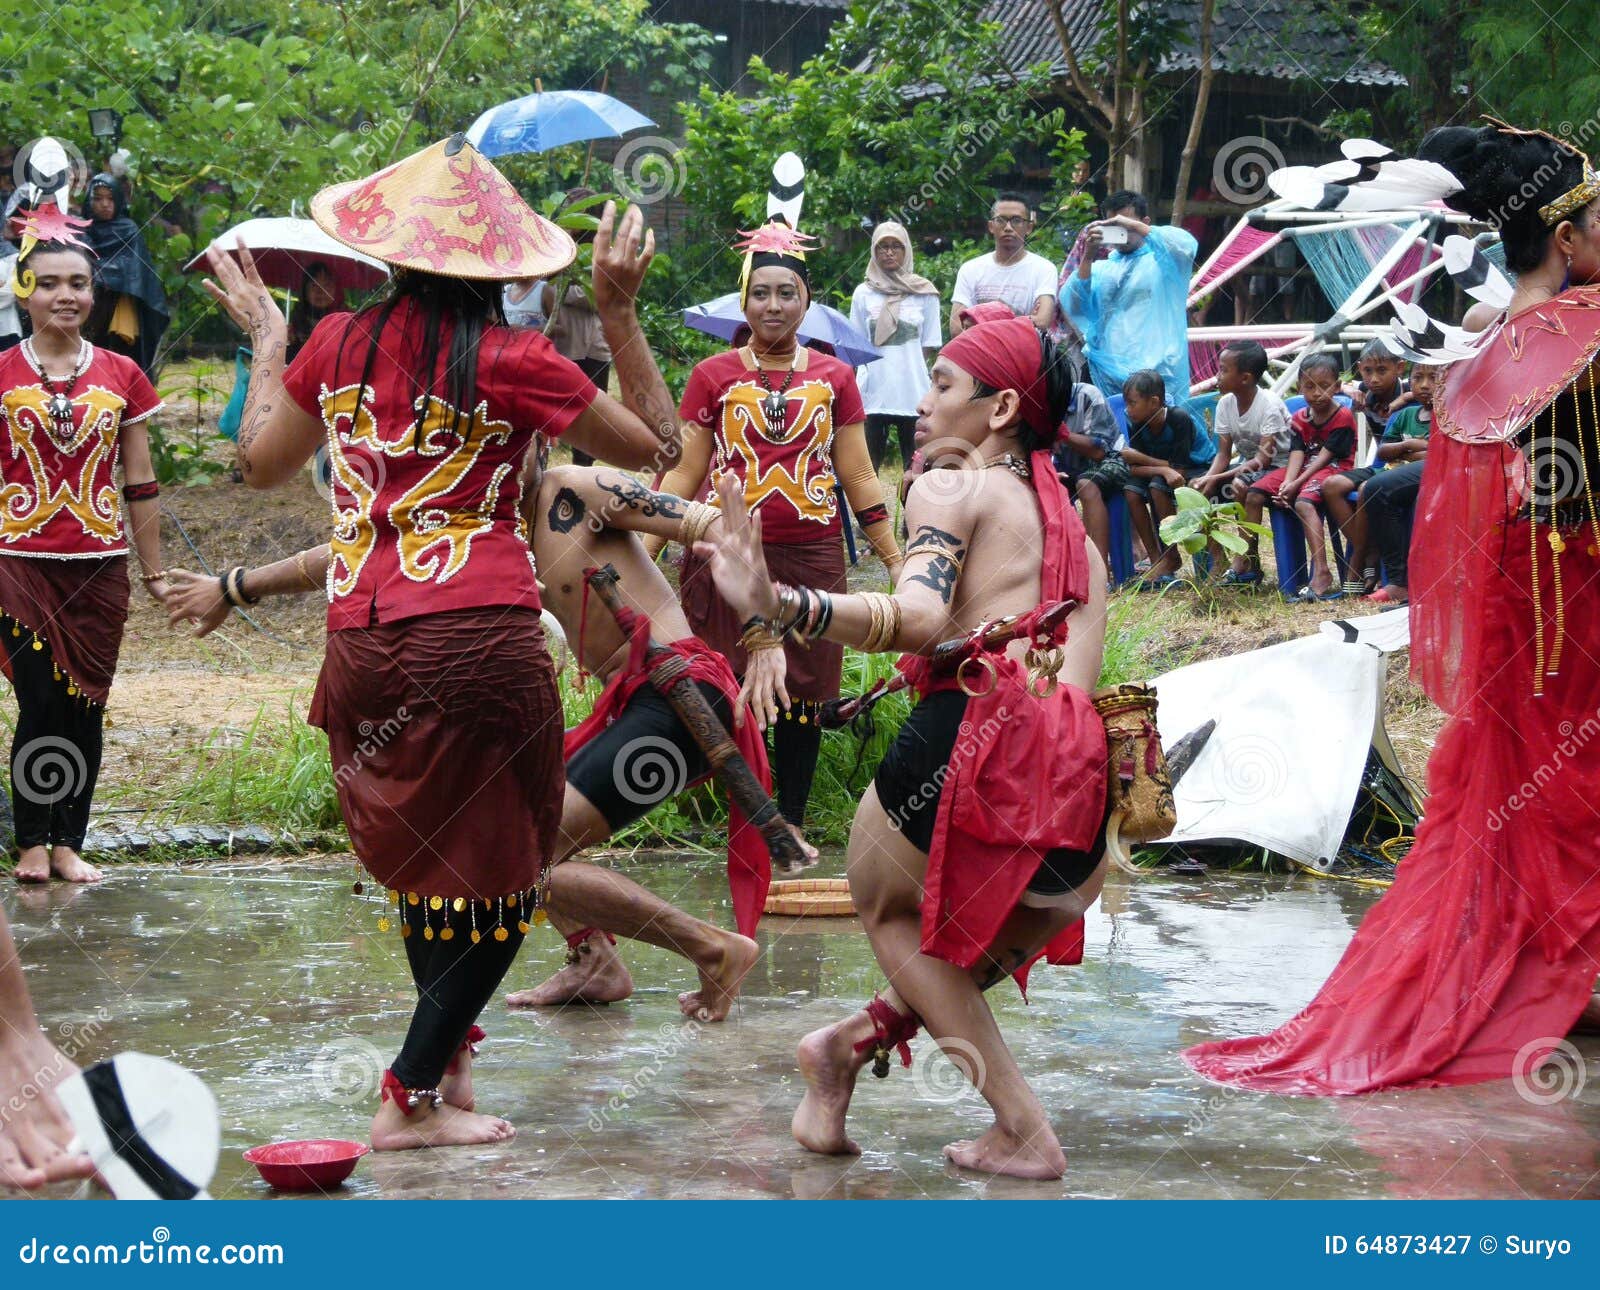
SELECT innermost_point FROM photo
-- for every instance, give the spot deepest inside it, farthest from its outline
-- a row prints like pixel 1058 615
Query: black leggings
pixel 1389 498
pixel 455 981
pixel 878 426
pixel 55 751
pixel 795 749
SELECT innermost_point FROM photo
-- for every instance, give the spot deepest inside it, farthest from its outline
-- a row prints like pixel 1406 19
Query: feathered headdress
pixel 778 242
pixel 47 223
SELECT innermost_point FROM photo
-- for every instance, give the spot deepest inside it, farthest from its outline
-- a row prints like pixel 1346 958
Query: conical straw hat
pixel 444 210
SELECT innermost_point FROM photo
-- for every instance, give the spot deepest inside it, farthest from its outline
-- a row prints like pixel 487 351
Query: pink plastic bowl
pixel 318 1164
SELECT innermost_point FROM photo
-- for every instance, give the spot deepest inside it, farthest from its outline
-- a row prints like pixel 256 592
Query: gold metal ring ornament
pixel 987 664
pixel 1044 670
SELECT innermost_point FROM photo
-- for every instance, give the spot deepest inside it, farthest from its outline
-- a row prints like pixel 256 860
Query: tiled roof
pixel 1274 38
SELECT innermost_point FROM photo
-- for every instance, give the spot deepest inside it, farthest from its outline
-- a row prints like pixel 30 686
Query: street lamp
pixel 105 124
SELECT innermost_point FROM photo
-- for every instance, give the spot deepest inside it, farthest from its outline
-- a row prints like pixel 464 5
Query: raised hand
pixel 738 563
pixel 622 253
pixel 242 294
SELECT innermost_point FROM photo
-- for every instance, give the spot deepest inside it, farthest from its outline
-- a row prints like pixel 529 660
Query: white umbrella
pixel 283 246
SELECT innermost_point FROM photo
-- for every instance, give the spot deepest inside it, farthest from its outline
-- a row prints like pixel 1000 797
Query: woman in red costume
pixel 1478 961
pixel 72 415
pixel 787 422
pixel 437 692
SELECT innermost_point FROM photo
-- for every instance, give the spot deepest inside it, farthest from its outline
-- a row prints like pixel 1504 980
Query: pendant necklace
pixel 776 404
pixel 59 404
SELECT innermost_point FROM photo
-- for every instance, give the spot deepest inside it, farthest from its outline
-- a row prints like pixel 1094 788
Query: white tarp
pixel 1389 631
pixel 1294 725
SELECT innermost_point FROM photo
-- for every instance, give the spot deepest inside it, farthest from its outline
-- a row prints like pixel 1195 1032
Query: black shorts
pixel 643 757
pixel 910 781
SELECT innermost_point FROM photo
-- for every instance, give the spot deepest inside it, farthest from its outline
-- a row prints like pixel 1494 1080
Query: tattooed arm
pixel 574 495
pixel 641 432
pixel 686 478
pixel 941 529
pixel 276 435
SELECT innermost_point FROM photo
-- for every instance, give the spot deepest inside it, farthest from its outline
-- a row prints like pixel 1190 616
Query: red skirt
pixel 445 734
pixel 814 673
pixel 77 608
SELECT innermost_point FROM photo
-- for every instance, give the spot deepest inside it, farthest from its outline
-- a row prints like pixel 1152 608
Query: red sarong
pixel 78 608
pixel 1005 803
pixel 749 864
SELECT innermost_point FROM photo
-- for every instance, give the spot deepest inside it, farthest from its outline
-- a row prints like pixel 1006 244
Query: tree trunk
pixel 1202 99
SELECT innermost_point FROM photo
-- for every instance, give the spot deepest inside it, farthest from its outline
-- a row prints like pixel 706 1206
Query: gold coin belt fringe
pixel 40 642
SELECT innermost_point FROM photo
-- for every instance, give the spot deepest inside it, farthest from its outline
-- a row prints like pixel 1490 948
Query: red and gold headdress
pixel 779 242
pixel 47 223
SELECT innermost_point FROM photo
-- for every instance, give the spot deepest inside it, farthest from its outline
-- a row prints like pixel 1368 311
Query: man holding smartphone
pixel 1130 305
pixel 1010 273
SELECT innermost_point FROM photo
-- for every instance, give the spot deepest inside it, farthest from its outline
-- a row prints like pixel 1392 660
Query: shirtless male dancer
pixel 583 518
pixel 973 851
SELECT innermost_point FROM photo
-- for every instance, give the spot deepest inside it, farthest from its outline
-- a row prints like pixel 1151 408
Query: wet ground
pixel 274 983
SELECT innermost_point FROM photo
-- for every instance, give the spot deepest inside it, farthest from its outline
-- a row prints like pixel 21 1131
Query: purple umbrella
pixel 722 318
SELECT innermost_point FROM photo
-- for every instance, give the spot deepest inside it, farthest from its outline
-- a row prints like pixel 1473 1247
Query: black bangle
pixel 145 492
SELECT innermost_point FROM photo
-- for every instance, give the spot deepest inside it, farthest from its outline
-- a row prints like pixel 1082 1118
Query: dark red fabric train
pixel 1477 962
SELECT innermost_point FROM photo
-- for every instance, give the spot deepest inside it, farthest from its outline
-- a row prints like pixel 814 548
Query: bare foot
pixel 599 976
pixel 720 986
pixel 33 865
pixel 811 853
pixel 830 1064
pixel 1037 1156
pixel 455 1087
pixel 69 866
pixel 440 1126
pixel 36 1134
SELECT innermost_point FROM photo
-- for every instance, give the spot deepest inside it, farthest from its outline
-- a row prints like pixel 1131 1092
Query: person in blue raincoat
pixel 1129 306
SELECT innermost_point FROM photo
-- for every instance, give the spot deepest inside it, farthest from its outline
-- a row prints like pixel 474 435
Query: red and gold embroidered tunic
pixel 427 522
pixel 788 477
pixel 57 496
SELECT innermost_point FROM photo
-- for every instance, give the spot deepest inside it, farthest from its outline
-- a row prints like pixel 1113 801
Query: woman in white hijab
pixel 899 310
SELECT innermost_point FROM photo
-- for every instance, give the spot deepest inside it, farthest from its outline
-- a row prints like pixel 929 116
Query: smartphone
pixel 1113 235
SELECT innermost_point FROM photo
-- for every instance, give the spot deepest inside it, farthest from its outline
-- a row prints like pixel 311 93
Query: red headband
pixel 1006 356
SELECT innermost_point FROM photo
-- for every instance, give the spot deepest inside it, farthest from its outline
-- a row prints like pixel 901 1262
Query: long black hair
pixel 465 306
pixel 1506 177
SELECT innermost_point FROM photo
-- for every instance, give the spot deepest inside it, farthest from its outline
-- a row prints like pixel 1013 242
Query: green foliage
pixel 240 107
pixel 277 774
pixel 1199 522
pixel 900 116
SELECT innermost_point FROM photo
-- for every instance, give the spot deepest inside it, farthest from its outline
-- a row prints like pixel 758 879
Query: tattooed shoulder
pixel 634 495
pixel 929 537
pixel 566 511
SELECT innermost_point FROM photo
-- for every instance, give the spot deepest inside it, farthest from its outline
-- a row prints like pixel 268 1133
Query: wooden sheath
pixel 669 676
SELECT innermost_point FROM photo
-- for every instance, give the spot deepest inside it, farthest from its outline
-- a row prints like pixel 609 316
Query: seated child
pixel 1403 440
pixel 1166 449
pixel 1389 497
pixel 1322 444
pixel 1381 392
pixel 1086 456
pixel 1252 438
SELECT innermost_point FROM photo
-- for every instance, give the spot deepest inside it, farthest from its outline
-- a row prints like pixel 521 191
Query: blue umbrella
pixel 539 122
pixel 722 318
